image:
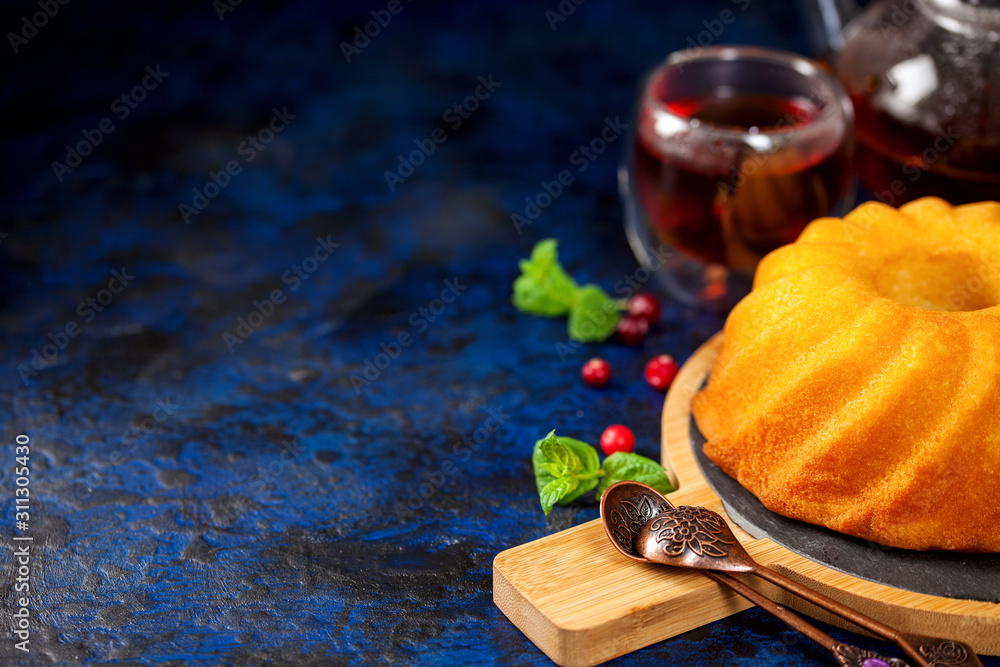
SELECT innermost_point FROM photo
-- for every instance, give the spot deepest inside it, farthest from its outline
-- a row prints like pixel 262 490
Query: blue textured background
pixel 268 516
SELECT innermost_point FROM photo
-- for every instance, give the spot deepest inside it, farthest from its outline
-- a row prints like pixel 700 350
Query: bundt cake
pixel 858 385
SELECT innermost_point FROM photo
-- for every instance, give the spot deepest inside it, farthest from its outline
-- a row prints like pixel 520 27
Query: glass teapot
pixel 924 78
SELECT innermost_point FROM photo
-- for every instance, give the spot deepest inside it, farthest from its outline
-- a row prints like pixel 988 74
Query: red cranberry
pixel 660 372
pixel 596 373
pixel 644 306
pixel 617 438
pixel 632 330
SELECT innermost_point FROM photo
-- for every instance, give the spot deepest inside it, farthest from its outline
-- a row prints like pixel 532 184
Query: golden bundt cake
pixel 858 385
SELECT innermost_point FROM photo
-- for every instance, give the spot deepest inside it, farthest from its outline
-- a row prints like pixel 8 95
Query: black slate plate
pixel 943 573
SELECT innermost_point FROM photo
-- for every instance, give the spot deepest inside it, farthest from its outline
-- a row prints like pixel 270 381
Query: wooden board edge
pixel 680 462
pixel 640 627
pixel 525 616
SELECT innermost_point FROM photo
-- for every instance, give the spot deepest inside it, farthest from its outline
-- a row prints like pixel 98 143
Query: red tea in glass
pixel 736 149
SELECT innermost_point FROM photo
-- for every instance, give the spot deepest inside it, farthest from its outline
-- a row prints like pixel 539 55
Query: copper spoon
pixel 626 509
pixel 698 538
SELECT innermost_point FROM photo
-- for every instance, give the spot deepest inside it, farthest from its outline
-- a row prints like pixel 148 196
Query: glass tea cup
pixel 733 151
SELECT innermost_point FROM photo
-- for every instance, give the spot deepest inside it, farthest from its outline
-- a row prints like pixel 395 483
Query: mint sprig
pixel 545 289
pixel 594 316
pixel 566 469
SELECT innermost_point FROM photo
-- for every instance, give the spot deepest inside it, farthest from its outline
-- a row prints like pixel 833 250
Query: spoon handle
pixel 920 649
pixel 846 655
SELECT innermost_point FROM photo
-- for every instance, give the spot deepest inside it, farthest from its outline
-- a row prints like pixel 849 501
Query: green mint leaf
pixel 627 466
pixel 555 452
pixel 586 454
pixel 556 490
pixel 594 316
pixel 557 469
pixel 575 458
pixel 544 288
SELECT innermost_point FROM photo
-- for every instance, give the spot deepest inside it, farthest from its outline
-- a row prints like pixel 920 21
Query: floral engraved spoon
pixel 645 526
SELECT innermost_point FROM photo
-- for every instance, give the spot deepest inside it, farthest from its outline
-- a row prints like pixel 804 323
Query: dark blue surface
pixel 196 499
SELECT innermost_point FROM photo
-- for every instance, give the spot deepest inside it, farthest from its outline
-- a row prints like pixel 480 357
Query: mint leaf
pixel 559 458
pixel 544 288
pixel 589 462
pixel 594 316
pixel 556 469
pixel 557 490
pixel 558 455
pixel 627 466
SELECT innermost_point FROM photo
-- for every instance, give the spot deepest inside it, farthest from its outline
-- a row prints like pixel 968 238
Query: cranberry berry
pixel 645 307
pixel 632 330
pixel 617 438
pixel 660 372
pixel 596 373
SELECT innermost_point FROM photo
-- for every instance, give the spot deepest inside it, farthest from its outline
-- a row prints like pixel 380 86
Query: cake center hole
pixel 950 281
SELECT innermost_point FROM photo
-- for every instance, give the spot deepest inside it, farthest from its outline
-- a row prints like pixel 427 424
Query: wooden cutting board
pixel 582 603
